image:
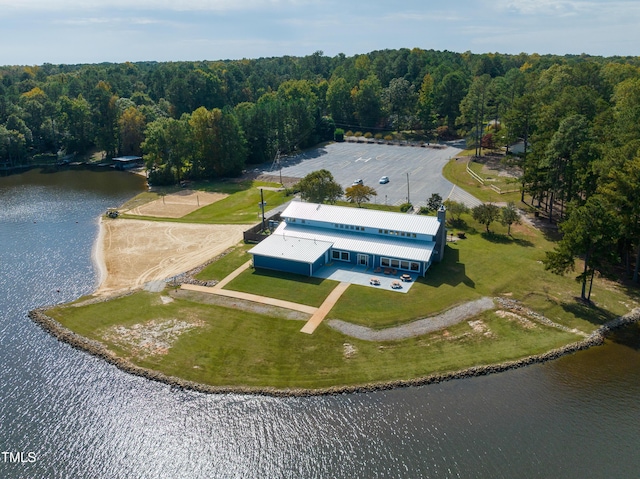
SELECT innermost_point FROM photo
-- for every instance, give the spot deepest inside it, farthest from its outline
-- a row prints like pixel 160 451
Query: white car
pixel 357 182
pixel 384 180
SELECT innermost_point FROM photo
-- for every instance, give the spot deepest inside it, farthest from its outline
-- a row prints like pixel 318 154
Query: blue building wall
pixel 287 265
pixel 283 264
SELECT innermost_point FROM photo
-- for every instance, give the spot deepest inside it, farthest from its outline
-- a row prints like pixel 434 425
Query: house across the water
pixel 311 236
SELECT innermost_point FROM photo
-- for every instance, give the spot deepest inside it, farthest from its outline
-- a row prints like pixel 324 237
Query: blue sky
pixel 94 31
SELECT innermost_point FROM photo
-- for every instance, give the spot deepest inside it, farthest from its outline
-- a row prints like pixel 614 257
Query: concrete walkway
pixel 231 276
pixel 251 297
pixel 324 308
pixel 317 314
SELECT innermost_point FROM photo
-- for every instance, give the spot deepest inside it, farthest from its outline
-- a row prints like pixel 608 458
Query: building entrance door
pixel 363 259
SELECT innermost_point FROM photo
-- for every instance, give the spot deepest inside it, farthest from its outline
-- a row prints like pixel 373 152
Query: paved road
pixel 415 173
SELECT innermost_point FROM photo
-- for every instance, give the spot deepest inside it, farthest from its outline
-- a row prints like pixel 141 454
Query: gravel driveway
pixel 416 328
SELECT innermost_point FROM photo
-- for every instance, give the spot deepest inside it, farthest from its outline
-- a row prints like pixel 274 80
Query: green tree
pixel 320 187
pixel 456 209
pixel 425 109
pixel 434 202
pixel 168 148
pixel 509 215
pixel 567 162
pixel 399 98
pixel 339 102
pixel 485 214
pixel 367 101
pixel 621 188
pixel 448 95
pixel 132 125
pixel 359 194
pixel 473 109
pixel 589 231
pixel 76 124
pixel 105 112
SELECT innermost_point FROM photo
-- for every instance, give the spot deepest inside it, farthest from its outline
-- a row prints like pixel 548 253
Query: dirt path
pixel 130 253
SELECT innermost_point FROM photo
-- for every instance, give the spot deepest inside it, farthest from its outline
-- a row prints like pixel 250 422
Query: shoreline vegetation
pixel 256 349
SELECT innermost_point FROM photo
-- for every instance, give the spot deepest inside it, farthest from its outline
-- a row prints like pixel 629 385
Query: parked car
pixel 357 182
pixel 384 180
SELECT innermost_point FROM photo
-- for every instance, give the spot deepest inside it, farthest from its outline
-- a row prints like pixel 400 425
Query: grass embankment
pixel 230 347
pixel 236 346
pixel 456 172
pixel 240 207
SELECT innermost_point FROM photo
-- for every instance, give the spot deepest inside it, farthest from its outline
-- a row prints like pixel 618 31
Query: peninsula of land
pixel 448 326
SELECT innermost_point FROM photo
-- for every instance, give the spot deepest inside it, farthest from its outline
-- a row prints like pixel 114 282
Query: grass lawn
pixel 456 172
pixel 231 261
pixel 286 286
pixel 240 207
pixel 228 347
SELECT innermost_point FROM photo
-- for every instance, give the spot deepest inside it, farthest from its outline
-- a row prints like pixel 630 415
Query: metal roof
pixel 284 246
pixel 392 247
pixel 126 159
pixel 367 218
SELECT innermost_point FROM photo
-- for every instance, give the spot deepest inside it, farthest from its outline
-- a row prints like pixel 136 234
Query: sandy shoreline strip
pixel 97 256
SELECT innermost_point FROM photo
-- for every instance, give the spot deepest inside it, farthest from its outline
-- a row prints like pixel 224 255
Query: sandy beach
pixel 130 253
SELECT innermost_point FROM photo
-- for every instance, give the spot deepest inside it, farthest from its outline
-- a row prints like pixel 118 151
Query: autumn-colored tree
pixel 359 194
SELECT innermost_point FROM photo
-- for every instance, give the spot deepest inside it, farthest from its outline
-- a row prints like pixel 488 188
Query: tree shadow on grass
pixel 450 271
pixel 505 239
pixel 588 312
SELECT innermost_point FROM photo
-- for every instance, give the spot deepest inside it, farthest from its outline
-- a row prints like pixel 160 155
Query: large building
pixel 313 235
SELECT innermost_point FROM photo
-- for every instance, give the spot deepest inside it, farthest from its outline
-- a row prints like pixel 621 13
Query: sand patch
pixel 176 205
pixel 479 327
pixel 131 253
pixel 149 339
pixel 524 322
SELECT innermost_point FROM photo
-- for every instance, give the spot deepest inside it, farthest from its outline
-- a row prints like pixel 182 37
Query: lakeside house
pixel 312 235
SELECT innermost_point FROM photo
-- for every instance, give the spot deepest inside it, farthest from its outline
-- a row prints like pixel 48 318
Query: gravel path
pixel 416 328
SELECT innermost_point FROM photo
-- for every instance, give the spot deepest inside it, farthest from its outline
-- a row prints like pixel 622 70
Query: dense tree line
pixel 577 116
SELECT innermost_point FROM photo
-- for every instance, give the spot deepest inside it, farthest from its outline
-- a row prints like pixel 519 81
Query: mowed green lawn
pixel 240 207
pixel 229 346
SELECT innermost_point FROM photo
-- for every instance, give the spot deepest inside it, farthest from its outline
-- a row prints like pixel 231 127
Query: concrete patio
pixel 358 274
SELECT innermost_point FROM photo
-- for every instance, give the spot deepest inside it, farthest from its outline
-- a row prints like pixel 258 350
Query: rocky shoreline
pixel 97 349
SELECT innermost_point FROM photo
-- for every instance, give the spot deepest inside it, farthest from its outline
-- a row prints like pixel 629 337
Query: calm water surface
pixel 576 417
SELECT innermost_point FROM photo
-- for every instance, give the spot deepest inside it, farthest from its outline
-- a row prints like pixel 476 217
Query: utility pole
pixel 262 203
pixel 408 197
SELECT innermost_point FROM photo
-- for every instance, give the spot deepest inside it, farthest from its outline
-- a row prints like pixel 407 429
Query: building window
pixel 340 255
pixel 400 264
pixel 414 235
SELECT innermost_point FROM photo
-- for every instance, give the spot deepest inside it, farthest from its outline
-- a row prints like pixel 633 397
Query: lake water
pixel 73 416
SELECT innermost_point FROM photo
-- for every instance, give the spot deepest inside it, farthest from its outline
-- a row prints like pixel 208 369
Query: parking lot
pixel 415 173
